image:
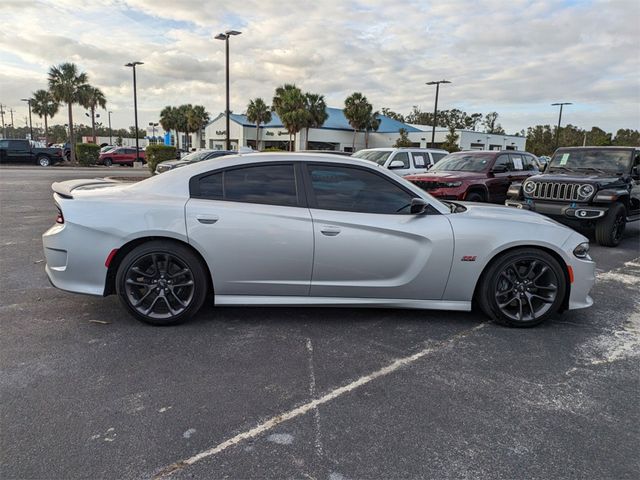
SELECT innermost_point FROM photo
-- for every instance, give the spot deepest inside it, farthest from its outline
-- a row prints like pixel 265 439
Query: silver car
pixel 309 230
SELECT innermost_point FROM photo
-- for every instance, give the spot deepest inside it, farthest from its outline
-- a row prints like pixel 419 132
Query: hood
pixel 445 176
pixel 509 214
pixel 594 178
pixel 172 163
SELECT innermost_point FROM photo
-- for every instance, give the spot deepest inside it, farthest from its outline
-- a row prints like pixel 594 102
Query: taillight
pixel 59 217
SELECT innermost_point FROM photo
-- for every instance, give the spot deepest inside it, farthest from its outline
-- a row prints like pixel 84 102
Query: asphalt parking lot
pixel 88 392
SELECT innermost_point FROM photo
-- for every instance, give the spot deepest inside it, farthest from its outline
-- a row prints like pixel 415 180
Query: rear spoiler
pixel 65 188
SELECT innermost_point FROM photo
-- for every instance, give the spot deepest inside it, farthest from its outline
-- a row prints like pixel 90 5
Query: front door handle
pixel 330 230
pixel 207 219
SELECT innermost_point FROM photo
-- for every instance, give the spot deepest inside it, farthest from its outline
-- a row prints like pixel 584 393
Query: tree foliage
pixel 289 103
pixel 45 106
pixel 316 109
pixel 491 124
pixel 403 139
pixel 91 98
pixel 258 112
pixel 358 111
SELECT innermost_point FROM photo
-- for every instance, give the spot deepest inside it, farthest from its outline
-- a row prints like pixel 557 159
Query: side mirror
pixel 418 206
pixel 396 165
pixel 499 168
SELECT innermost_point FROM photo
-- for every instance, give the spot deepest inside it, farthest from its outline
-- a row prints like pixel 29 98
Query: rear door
pixel 498 185
pixel 421 162
pixel 519 167
pixel 367 244
pixel 254 229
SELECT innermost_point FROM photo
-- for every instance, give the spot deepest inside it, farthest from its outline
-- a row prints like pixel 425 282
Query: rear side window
pixel 418 159
pixel 438 156
pixel 356 190
pixel 268 184
pixel 517 161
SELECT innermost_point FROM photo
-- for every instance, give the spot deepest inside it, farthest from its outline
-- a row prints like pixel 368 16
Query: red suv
pixel 121 156
pixel 476 176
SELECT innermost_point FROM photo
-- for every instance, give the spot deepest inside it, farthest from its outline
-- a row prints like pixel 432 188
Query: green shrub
pixel 87 153
pixel 159 153
pixel 273 149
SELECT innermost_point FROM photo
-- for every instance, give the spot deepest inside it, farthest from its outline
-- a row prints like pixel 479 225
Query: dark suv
pixel 476 176
pixel 587 187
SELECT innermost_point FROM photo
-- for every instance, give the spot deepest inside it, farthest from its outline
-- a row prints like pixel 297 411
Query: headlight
pixel 449 184
pixel 529 187
pixel 586 190
pixel 582 251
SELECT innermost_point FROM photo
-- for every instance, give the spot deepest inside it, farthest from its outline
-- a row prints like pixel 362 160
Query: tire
pixel 522 288
pixel 610 228
pixel 44 161
pixel 107 162
pixel 147 283
pixel 474 197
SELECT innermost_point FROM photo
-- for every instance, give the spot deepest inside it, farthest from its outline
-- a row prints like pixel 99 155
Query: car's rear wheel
pixel 107 162
pixel 610 229
pixel 522 288
pixel 44 161
pixel 162 283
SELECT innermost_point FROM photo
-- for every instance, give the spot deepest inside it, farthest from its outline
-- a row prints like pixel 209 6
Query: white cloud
pixel 515 58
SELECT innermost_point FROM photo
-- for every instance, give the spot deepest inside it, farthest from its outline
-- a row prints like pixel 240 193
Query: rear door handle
pixel 207 219
pixel 330 230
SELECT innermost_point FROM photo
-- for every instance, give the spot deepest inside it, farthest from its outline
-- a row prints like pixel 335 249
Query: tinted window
pixel 270 184
pixel 273 184
pixel 463 162
pixel 403 157
pixel 356 190
pixel 17 145
pixel 530 163
pixel 504 160
pixel 4 143
pixel 419 159
pixel 609 160
pixel 438 156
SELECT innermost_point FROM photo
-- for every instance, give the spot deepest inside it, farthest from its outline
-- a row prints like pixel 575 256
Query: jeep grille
pixel 557 191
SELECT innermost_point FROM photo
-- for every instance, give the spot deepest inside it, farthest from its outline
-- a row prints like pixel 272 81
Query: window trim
pixel 311 196
pixel 194 185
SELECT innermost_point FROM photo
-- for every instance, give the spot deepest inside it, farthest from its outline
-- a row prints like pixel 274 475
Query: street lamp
pixel 435 109
pixel 153 130
pixel 559 119
pixel 135 102
pixel 109 113
pixel 225 36
pixel 28 100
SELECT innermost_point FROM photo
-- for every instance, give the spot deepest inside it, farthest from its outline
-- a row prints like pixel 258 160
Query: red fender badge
pixel 469 258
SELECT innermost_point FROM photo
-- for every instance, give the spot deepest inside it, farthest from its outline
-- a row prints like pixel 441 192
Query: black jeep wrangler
pixel 586 187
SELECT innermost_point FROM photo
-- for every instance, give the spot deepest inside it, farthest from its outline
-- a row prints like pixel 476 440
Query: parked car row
pixel 27 151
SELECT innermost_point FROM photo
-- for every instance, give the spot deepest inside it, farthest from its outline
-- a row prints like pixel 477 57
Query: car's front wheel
pixel 522 288
pixel 610 228
pixel 162 283
pixel 107 162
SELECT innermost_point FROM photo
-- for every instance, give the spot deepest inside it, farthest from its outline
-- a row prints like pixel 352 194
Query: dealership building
pixel 337 134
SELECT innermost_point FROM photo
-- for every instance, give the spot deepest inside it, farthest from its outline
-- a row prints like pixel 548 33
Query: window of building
pixel 357 190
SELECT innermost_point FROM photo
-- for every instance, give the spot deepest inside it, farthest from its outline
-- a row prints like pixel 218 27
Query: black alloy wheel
pixel 162 283
pixel 523 288
pixel 610 228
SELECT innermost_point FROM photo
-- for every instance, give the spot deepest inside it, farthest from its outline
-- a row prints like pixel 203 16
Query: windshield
pixel 613 161
pixel 377 156
pixel 465 162
pixel 195 156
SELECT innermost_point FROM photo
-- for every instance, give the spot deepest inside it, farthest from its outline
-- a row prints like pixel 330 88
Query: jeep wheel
pixel 610 228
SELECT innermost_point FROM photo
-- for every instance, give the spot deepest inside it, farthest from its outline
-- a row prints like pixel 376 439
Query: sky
pixel 515 57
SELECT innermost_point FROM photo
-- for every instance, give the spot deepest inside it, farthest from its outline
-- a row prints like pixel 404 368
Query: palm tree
pixel 43 105
pixel 65 83
pixel 371 125
pixel 289 104
pixel 169 121
pixel 182 123
pixel 92 98
pixel 258 112
pixel 357 110
pixel 317 110
pixel 197 119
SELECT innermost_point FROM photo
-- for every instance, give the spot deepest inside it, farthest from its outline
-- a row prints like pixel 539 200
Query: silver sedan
pixel 308 230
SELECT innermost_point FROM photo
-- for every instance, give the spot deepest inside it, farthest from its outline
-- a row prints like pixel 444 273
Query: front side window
pixel 403 157
pixel 268 184
pixel 503 160
pixel 357 190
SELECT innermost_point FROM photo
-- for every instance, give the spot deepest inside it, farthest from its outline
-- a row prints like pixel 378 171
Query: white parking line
pixel 314 404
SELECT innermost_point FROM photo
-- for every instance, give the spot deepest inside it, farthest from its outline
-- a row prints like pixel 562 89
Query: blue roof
pixel 335 121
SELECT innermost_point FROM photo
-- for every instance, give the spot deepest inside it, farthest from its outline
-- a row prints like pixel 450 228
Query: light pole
pixel 135 102
pixel 109 113
pixel 225 36
pixel 559 119
pixel 153 130
pixel 28 100
pixel 4 127
pixel 435 109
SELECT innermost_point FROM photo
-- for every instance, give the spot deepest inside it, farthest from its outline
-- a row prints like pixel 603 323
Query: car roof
pixel 393 149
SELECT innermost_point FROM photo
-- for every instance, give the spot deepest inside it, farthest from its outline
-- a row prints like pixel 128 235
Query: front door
pixel 367 244
pixel 253 229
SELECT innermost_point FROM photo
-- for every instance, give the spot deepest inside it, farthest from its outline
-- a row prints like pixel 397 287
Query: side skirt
pixel 283 301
